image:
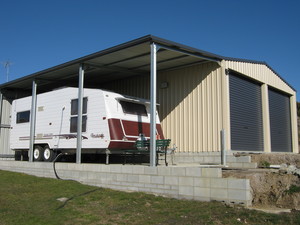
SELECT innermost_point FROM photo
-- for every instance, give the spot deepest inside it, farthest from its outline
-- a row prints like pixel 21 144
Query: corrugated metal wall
pixel 261 73
pixel 4 133
pixel 190 107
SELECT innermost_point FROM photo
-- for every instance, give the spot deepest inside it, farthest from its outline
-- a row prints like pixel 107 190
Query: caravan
pixel 110 121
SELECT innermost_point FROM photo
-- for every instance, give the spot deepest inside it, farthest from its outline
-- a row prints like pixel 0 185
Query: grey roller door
pixel 245 114
pixel 280 122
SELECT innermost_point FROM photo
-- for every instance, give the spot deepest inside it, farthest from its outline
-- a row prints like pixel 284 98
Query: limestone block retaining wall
pixel 198 183
pixel 214 158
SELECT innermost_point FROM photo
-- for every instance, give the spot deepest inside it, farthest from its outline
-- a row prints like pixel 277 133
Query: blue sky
pixel 36 35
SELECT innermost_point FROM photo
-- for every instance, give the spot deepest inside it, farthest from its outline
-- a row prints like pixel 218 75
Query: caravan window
pixel 73 127
pixel 23 117
pixel 74 115
pixel 134 108
pixel 74 106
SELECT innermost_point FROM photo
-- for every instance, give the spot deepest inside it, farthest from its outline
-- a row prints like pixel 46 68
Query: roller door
pixel 280 122
pixel 245 114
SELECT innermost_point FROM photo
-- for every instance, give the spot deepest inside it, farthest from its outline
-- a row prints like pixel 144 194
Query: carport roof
pixel 118 62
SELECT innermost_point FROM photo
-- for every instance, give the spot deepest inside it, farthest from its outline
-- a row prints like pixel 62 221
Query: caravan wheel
pixel 38 153
pixel 49 154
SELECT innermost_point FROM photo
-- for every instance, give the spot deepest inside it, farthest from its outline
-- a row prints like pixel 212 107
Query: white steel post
pixel 79 118
pixel 154 49
pixel 32 120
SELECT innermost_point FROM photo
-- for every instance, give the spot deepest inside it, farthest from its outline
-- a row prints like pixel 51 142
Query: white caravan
pixel 110 121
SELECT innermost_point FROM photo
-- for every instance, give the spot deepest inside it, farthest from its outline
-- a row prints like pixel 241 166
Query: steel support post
pixel 32 120
pixel 154 49
pixel 223 147
pixel 79 118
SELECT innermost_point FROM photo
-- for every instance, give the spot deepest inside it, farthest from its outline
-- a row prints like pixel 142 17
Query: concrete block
pixel 105 168
pixel 143 189
pixel 188 197
pixel 186 181
pixel 133 178
pixel 91 175
pixel 157 179
pixel 235 164
pixel 164 171
pixel 209 159
pixel 131 188
pixel 202 199
pixel 239 195
pixel 230 159
pixel 174 187
pixel 234 183
pixel 138 185
pixel 112 176
pixel 102 176
pixel 127 169
pixel 218 183
pixel 193 172
pixel 150 185
pixel 150 170
pixel 166 187
pixel 186 190
pixel 243 159
pixel 178 171
pixel 138 169
pixel 171 180
pixel 89 167
pixel 249 165
pixel 115 168
pixel 157 191
pixel 115 183
pixel 71 166
pixel 171 193
pixel 145 179
pixel 219 194
pixel 122 177
pixel 163 187
pixel 202 182
pixel 211 172
pixel 202 192
pixel 83 175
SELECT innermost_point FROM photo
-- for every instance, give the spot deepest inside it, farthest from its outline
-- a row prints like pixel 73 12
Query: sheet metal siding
pixel 246 115
pixel 190 107
pixel 260 73
pixel 5 132
pixel 280 122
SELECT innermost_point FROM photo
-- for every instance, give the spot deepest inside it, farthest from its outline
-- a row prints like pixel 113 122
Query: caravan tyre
pixel 48 155
pixel 38 152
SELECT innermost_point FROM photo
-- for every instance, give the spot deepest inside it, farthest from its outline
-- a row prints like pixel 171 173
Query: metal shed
pixel 195 89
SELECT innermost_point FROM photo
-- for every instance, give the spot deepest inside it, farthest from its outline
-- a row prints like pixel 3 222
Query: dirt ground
pixel 270 188
pixel 276 159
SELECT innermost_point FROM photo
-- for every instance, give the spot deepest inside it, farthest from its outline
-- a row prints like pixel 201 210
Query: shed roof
pixel 121 61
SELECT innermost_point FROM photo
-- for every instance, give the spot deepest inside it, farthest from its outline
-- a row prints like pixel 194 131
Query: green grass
pixel 265 164
pixel 293 189
pixel 27 199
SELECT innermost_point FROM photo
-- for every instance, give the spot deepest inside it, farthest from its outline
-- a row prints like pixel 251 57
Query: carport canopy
pixel 128 59
pixel 143 56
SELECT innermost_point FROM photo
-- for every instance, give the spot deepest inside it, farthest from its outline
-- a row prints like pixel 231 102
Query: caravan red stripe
pixel 131 128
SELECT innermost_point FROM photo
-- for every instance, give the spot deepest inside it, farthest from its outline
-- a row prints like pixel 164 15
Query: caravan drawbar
pixel 110 121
